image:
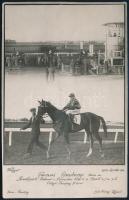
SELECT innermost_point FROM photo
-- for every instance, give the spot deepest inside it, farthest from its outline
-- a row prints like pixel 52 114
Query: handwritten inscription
pixel 53 179
pixel 19 192
pixel 68 178
pixel 102 191
pixel 13 170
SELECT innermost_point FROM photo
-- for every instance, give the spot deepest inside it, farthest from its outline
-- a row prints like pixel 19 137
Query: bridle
pixel 44 106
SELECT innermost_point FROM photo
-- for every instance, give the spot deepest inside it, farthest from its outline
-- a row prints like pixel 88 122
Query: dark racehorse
pixel 89 121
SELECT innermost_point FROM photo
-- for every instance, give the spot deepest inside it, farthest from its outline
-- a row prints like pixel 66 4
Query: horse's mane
pixel 52 106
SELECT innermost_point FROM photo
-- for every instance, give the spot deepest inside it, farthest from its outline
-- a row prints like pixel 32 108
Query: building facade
pixel 114 45
pixel 12 46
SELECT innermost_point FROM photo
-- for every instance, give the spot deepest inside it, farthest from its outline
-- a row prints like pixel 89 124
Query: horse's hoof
pixel 102 155
pixel 48 156
pixel 89 153
pixel 69 157
pixel 27 155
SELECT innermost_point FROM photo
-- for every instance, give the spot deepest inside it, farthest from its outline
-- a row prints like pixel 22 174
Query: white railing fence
pixel 117 131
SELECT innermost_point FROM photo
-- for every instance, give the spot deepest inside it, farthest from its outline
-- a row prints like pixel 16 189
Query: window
pixel 117 54
pixel 118 62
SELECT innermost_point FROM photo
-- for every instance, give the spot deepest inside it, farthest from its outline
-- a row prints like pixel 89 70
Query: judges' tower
pixel 114 44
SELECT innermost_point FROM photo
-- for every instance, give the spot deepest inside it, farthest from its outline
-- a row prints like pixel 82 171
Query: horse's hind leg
pixel 91 144
pixel 69 150
pixel 67 145
pixel 96 134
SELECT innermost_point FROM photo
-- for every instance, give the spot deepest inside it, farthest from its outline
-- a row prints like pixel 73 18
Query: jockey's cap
pixel 71 95
pixel 33 110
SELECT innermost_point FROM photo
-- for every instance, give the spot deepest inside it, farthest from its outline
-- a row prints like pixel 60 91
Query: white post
pixel 85 137
pixel 99 58
pixel 91 49
pixel 62 67
pixel 97 69
pixel 81 45
pixel 116 136
pixel 10 138
pixel 50 137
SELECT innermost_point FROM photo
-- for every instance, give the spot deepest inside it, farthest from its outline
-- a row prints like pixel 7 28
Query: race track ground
pixel 114 152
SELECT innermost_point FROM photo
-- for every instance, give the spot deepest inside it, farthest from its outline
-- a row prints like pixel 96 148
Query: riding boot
pixel 71 117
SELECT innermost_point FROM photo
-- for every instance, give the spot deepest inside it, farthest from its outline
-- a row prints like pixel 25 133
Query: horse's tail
pixel 104 125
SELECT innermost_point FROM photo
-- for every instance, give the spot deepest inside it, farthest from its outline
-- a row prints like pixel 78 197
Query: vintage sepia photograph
pixel 64 111
pixel 64 84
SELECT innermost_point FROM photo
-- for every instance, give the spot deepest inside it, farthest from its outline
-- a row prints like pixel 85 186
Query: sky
pixel 35 23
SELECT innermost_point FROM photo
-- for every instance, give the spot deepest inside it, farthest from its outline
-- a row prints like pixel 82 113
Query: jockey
pixel 73 107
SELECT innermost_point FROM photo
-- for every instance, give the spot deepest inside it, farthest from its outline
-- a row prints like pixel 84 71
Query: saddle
pixel 75 118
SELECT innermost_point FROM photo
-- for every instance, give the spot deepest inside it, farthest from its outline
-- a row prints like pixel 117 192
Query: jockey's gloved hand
pixel 65 110
pixel 43 121
pixel 72 108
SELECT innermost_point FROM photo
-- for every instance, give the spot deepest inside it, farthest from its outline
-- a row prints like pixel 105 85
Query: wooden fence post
pixel 10 138
pixel 116 136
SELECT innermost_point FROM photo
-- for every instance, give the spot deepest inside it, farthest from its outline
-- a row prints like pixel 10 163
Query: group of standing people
pixel 12 61
pixel 78 64
pixel 82 65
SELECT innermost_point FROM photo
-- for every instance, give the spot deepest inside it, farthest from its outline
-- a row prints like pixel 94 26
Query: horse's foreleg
pixel 49 146
pixel 67 145
pixel 51 141
pixel 91 145
pixel 48 151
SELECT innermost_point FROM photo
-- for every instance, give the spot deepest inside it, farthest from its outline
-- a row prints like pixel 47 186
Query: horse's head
pixel 46 107
pixel 43 107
